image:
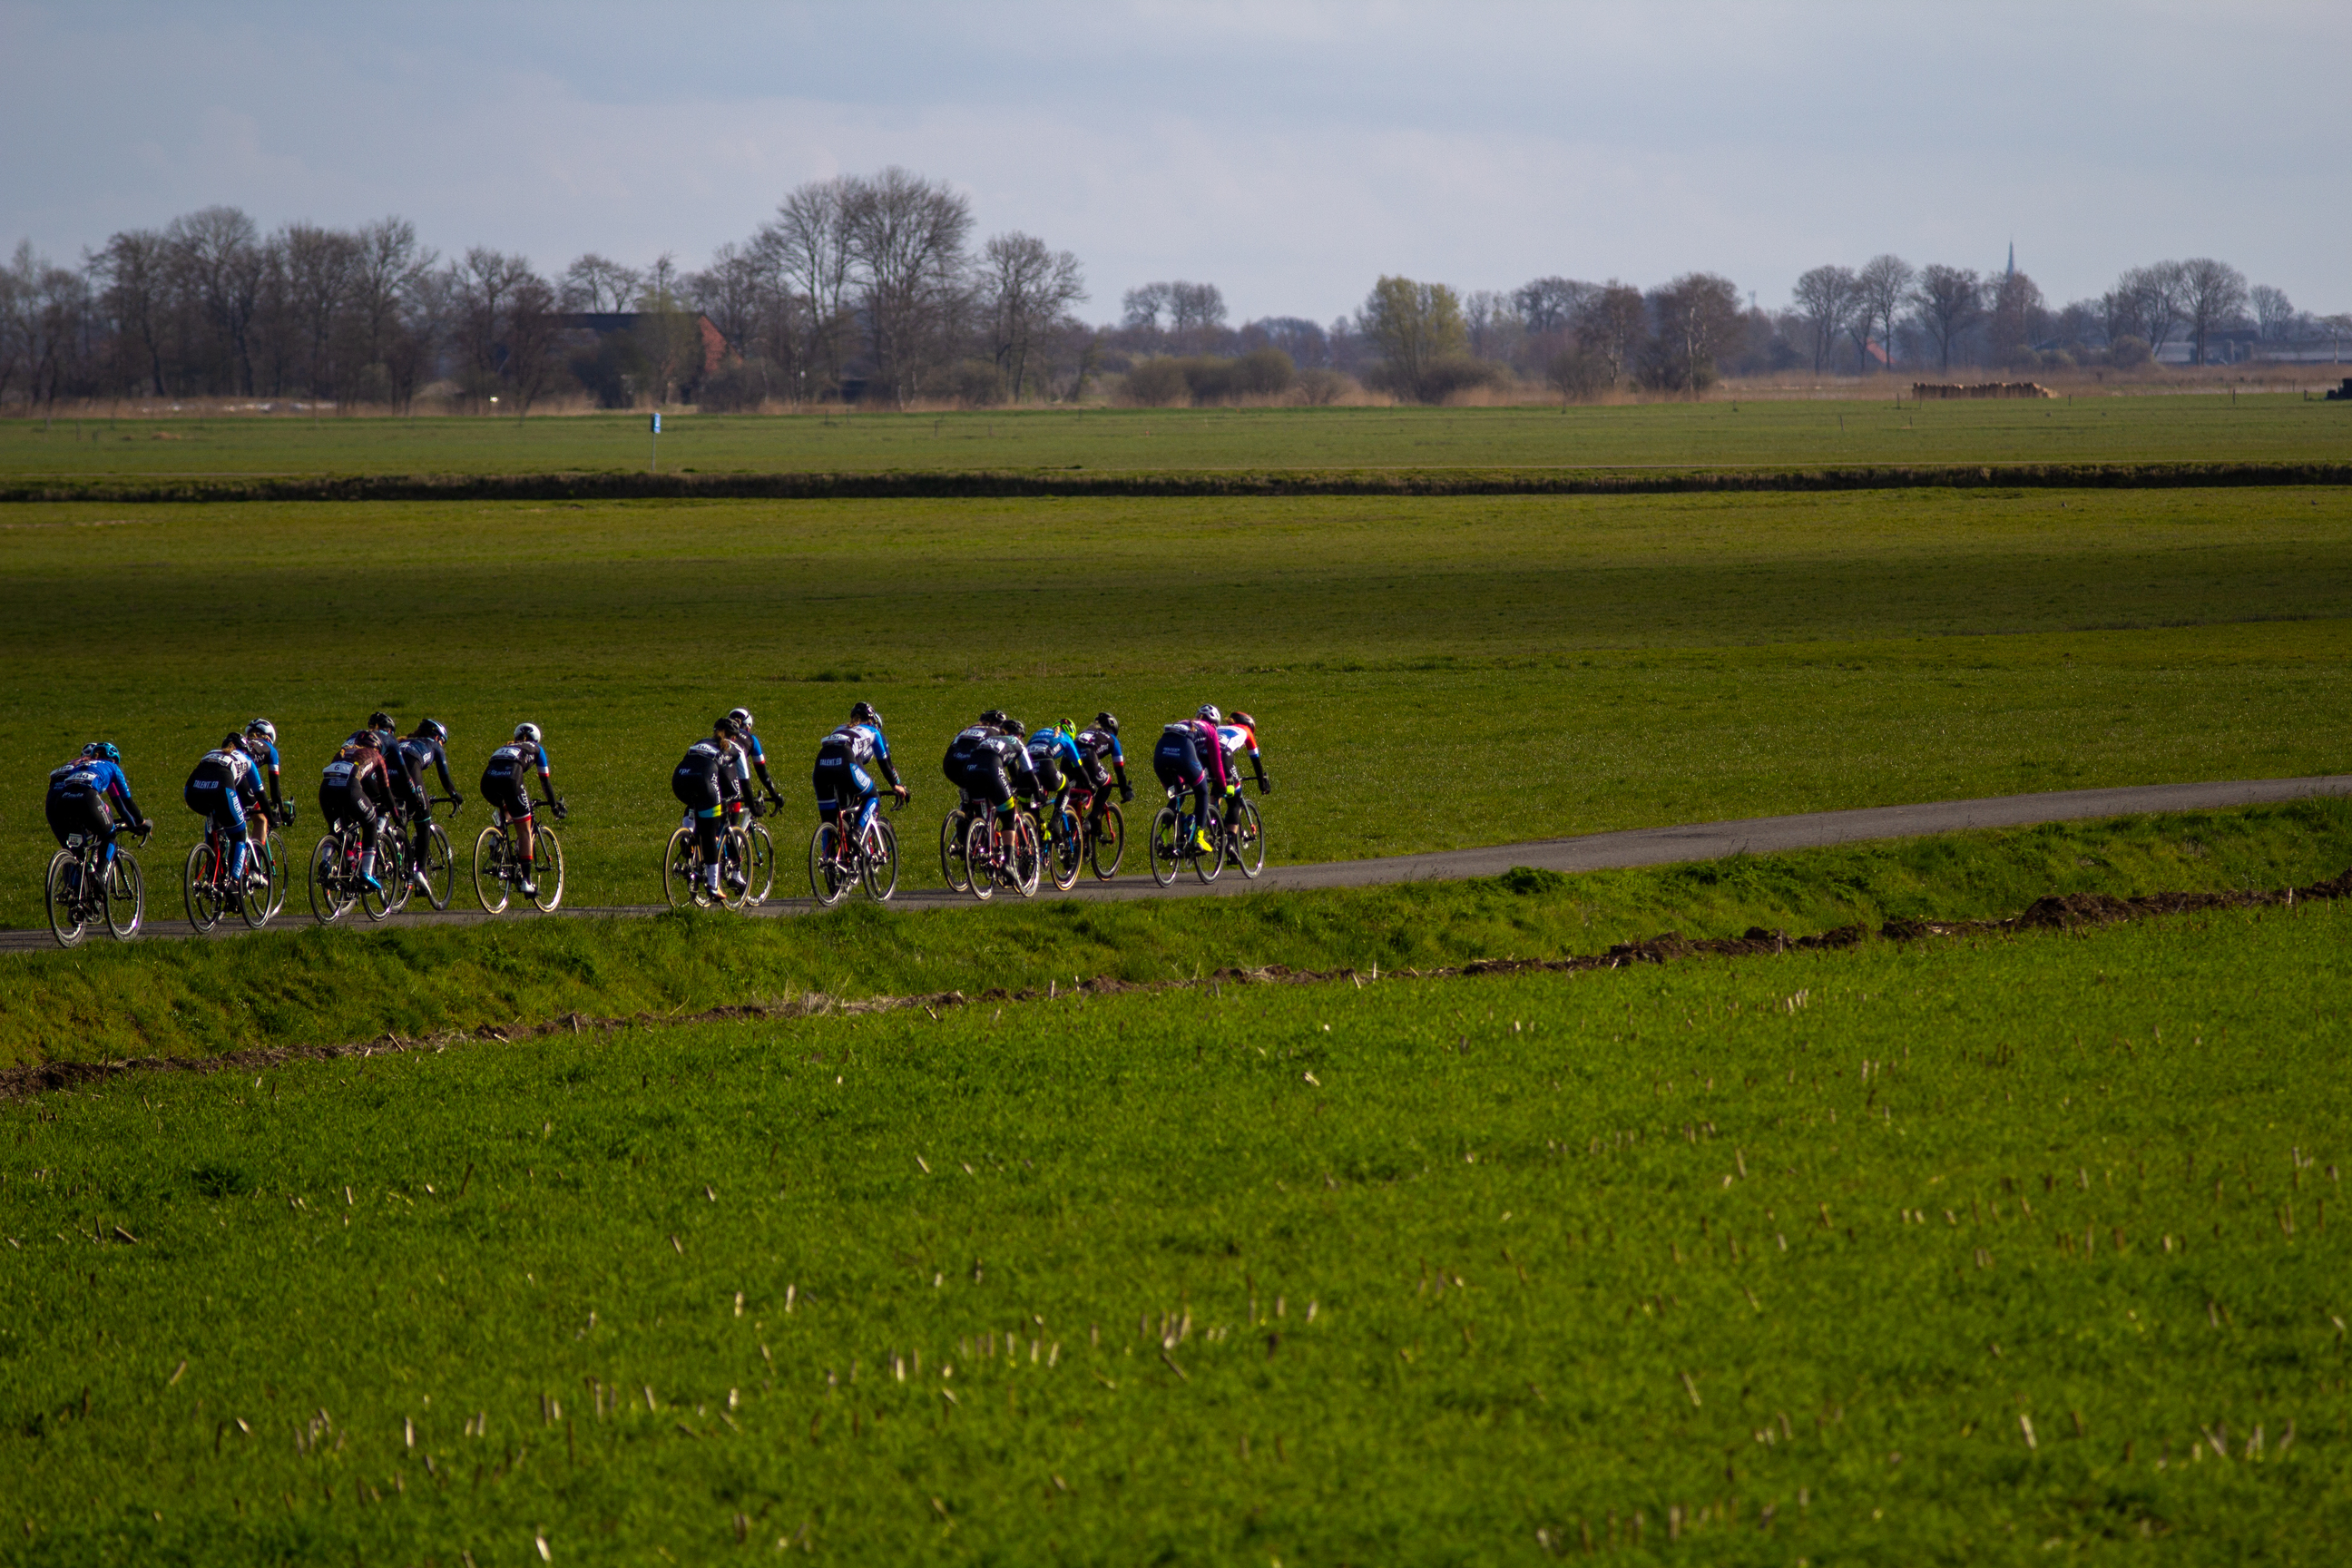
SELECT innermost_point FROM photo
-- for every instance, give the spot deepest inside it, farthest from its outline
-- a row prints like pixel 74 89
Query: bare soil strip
pixel 2053 913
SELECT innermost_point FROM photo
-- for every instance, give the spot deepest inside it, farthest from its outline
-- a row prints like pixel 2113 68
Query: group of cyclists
pixel 378 781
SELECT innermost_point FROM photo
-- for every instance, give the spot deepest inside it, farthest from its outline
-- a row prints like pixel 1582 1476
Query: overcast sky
pixel 1289 152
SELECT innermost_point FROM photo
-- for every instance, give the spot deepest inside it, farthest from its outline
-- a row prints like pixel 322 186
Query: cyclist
pixel 261 740
pixel 506 784
pixel 999 765
pixel 705 782
pixel 1100 755
pixel 1188 758
pixel 840 777
pixel 750 755
pixel 1055 763
pixel 86 795
pixel 1236 735
pixel 962 750
pixel 356 789
pixel 222 789
pixel 425 746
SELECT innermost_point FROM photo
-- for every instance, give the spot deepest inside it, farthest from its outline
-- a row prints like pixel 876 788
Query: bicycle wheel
pixel 254 903
pixel 1167 854
pixel 955 870
pixel 1246 837
pixel 677 869
pixel 1026 862
pixel 440 875
pixel 547 869
pixel 1207 863
pixel 979 859
pixel 377 902
pixel 58 889
pixel 881 861
pixel 1107 842
pixel 200 885
pixel 392 867
pixel 273 865
pixel 328 899
pixel 1068 856
pixel 829 877
pixel 126 895
pixel 763 866
pixel 490 868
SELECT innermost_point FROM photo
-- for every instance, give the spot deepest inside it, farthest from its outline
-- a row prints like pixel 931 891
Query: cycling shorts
pixel 987 781
pixel 840 783
pixel 79 811
pixel 505 791
pixel 216 801
pixel 342 802
pixel 1177 761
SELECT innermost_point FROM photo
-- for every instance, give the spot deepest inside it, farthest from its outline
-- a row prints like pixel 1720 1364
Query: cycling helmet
pixel 725 726
pixel 433 730
pixel 92 749
pixel 994 717
pixel 232 741
pixel 264 729
pixel 1107 722
pixel 864 713
pixel 742 717
pixel 1209 712
pixel 527 732
pixel 1067 726
pixel 1011 726
pixel 379 720
pixel 1243 720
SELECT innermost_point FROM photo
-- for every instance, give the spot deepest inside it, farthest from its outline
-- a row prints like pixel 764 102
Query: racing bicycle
pixel 500 869
pixel 1169 852
pixel 839 860
pixel 81 890
pixel 210 892
pixel 337 882
pixel 1002 857
pixel 1102 826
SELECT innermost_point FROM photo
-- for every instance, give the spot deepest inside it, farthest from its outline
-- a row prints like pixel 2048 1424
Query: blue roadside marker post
pixel 653 464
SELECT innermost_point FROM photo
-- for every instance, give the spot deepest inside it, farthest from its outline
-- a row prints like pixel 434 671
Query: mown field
pixel 2204 427
pixel 1947 1252
pixel 1428 672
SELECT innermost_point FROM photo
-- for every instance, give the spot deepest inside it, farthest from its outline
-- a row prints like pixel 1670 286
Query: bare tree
pixel 1195 310
pixel 1698 324
pixel 808 245
pixel 1614 321
pixel 1825 298
pixel 2274 314
pixel 531 366
pixel 1493 325
pixel 2018 318
pixel 1141 308
pixel 133 277
pixel 1885 284
pixel 391 303
pixel 1549 305
pixel 907 235
pixel 321 267
pixel 218 252
pixel 1947 301
pixel 1026 291
pixel 598 285
pixel 482 292
pixel 2213 297
pixel 2145 303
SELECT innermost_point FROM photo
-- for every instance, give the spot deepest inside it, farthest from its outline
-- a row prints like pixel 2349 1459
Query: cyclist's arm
pixel 276 790
pixel 441 763
pixel 546 778
pixel 882 760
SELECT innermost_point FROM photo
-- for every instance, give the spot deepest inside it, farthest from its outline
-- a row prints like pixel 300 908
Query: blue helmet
pixel 102 750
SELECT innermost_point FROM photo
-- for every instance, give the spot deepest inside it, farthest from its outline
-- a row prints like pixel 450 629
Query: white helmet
pixel 1209 712
pixel 263 728
pixel 742 717
pixel 527 732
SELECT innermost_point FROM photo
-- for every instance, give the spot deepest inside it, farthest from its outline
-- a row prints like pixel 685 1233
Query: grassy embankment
pixel 1430 673
pixel 1712 434
pixel 1947 1252
pixel 327 987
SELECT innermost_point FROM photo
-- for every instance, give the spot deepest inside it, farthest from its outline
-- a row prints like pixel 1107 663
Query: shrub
pixel 977 384
pixel 1323 387
pixel 2127 352
pixel 1158 384
pixel 1577 374
pixel 737 386
pixel 1264 373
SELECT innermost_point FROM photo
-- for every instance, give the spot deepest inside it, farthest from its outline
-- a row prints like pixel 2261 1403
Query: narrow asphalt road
pixel 1593 852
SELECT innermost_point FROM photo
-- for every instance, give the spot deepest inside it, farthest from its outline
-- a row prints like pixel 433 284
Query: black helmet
pixel 232 741
pixel 1010 725
pixel 1110 721
pixel 379 720
pixel 722 725
pixel 993 718
pixel 864 713
pixel 1243 720
pixel 433 730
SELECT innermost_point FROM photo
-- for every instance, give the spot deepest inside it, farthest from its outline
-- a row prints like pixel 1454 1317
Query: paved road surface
pixel 1594 852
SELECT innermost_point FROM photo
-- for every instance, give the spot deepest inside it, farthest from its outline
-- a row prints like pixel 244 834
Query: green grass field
pixel 1429 673
pixel 1943 1253
pixel 2205 428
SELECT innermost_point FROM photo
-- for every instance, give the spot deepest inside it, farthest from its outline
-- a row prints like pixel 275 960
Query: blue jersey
pixel 88 776
pixel 1052 746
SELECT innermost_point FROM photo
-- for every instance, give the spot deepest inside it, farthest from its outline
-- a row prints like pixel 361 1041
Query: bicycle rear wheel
pixel 1167 854
pixel 829 878
pixel 1107 842
pixel 377 902
pixel 1207 863
pixel 274 864
pixel 1068 858
pixel 200 885
pixel 254 903
pixel 547 869
pixel 955 869
pixel 881 872
pixel 490 868
pixel 61 891
pixel 1246 837
pixel 977 851
pixel 392 865
pixel 679 864
pixel 1026 859
pixel 328 901
pixel 126 895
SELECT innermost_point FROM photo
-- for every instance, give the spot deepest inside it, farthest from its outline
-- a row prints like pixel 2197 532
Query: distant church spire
pixel 2012 258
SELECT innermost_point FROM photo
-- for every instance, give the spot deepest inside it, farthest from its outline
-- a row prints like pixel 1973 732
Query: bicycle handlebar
pixel 455 803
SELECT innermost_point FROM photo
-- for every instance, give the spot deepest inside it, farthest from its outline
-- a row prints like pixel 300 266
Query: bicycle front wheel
pixel 762 865
pixel 978 852
pixel 490 868
pixel 274 863
pixel 829 878
pixel 253 903
pixel 1245 839
pixel 1167 854
pixel 60 889
pixel 955 867
pixel 1207 863
pixel 547 869
pixel 126 895
pixel 440 878
pixel 1068 856
pixel 881 871
pixel 1026 859
pixel 1106 843
pixel 200 885
pixel 392 867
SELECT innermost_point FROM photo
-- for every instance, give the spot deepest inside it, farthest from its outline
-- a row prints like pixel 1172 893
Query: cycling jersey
pixel 704 779
pixel 354 789
pixel 1188 757
pixel 412 756
pixel 267 766
pixel 223 786
pixel 749 754
pixel 840 777
pixel 506 777
pixel 1233 739
pixel 1055 759
pixel 84 797
pixel 1096 748
pixel 963 752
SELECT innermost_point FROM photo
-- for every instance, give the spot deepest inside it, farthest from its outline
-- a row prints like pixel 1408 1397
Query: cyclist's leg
pixel 230 817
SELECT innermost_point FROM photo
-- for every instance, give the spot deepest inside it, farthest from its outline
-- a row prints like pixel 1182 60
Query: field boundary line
pixel 1600 479
pixel 2052 912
